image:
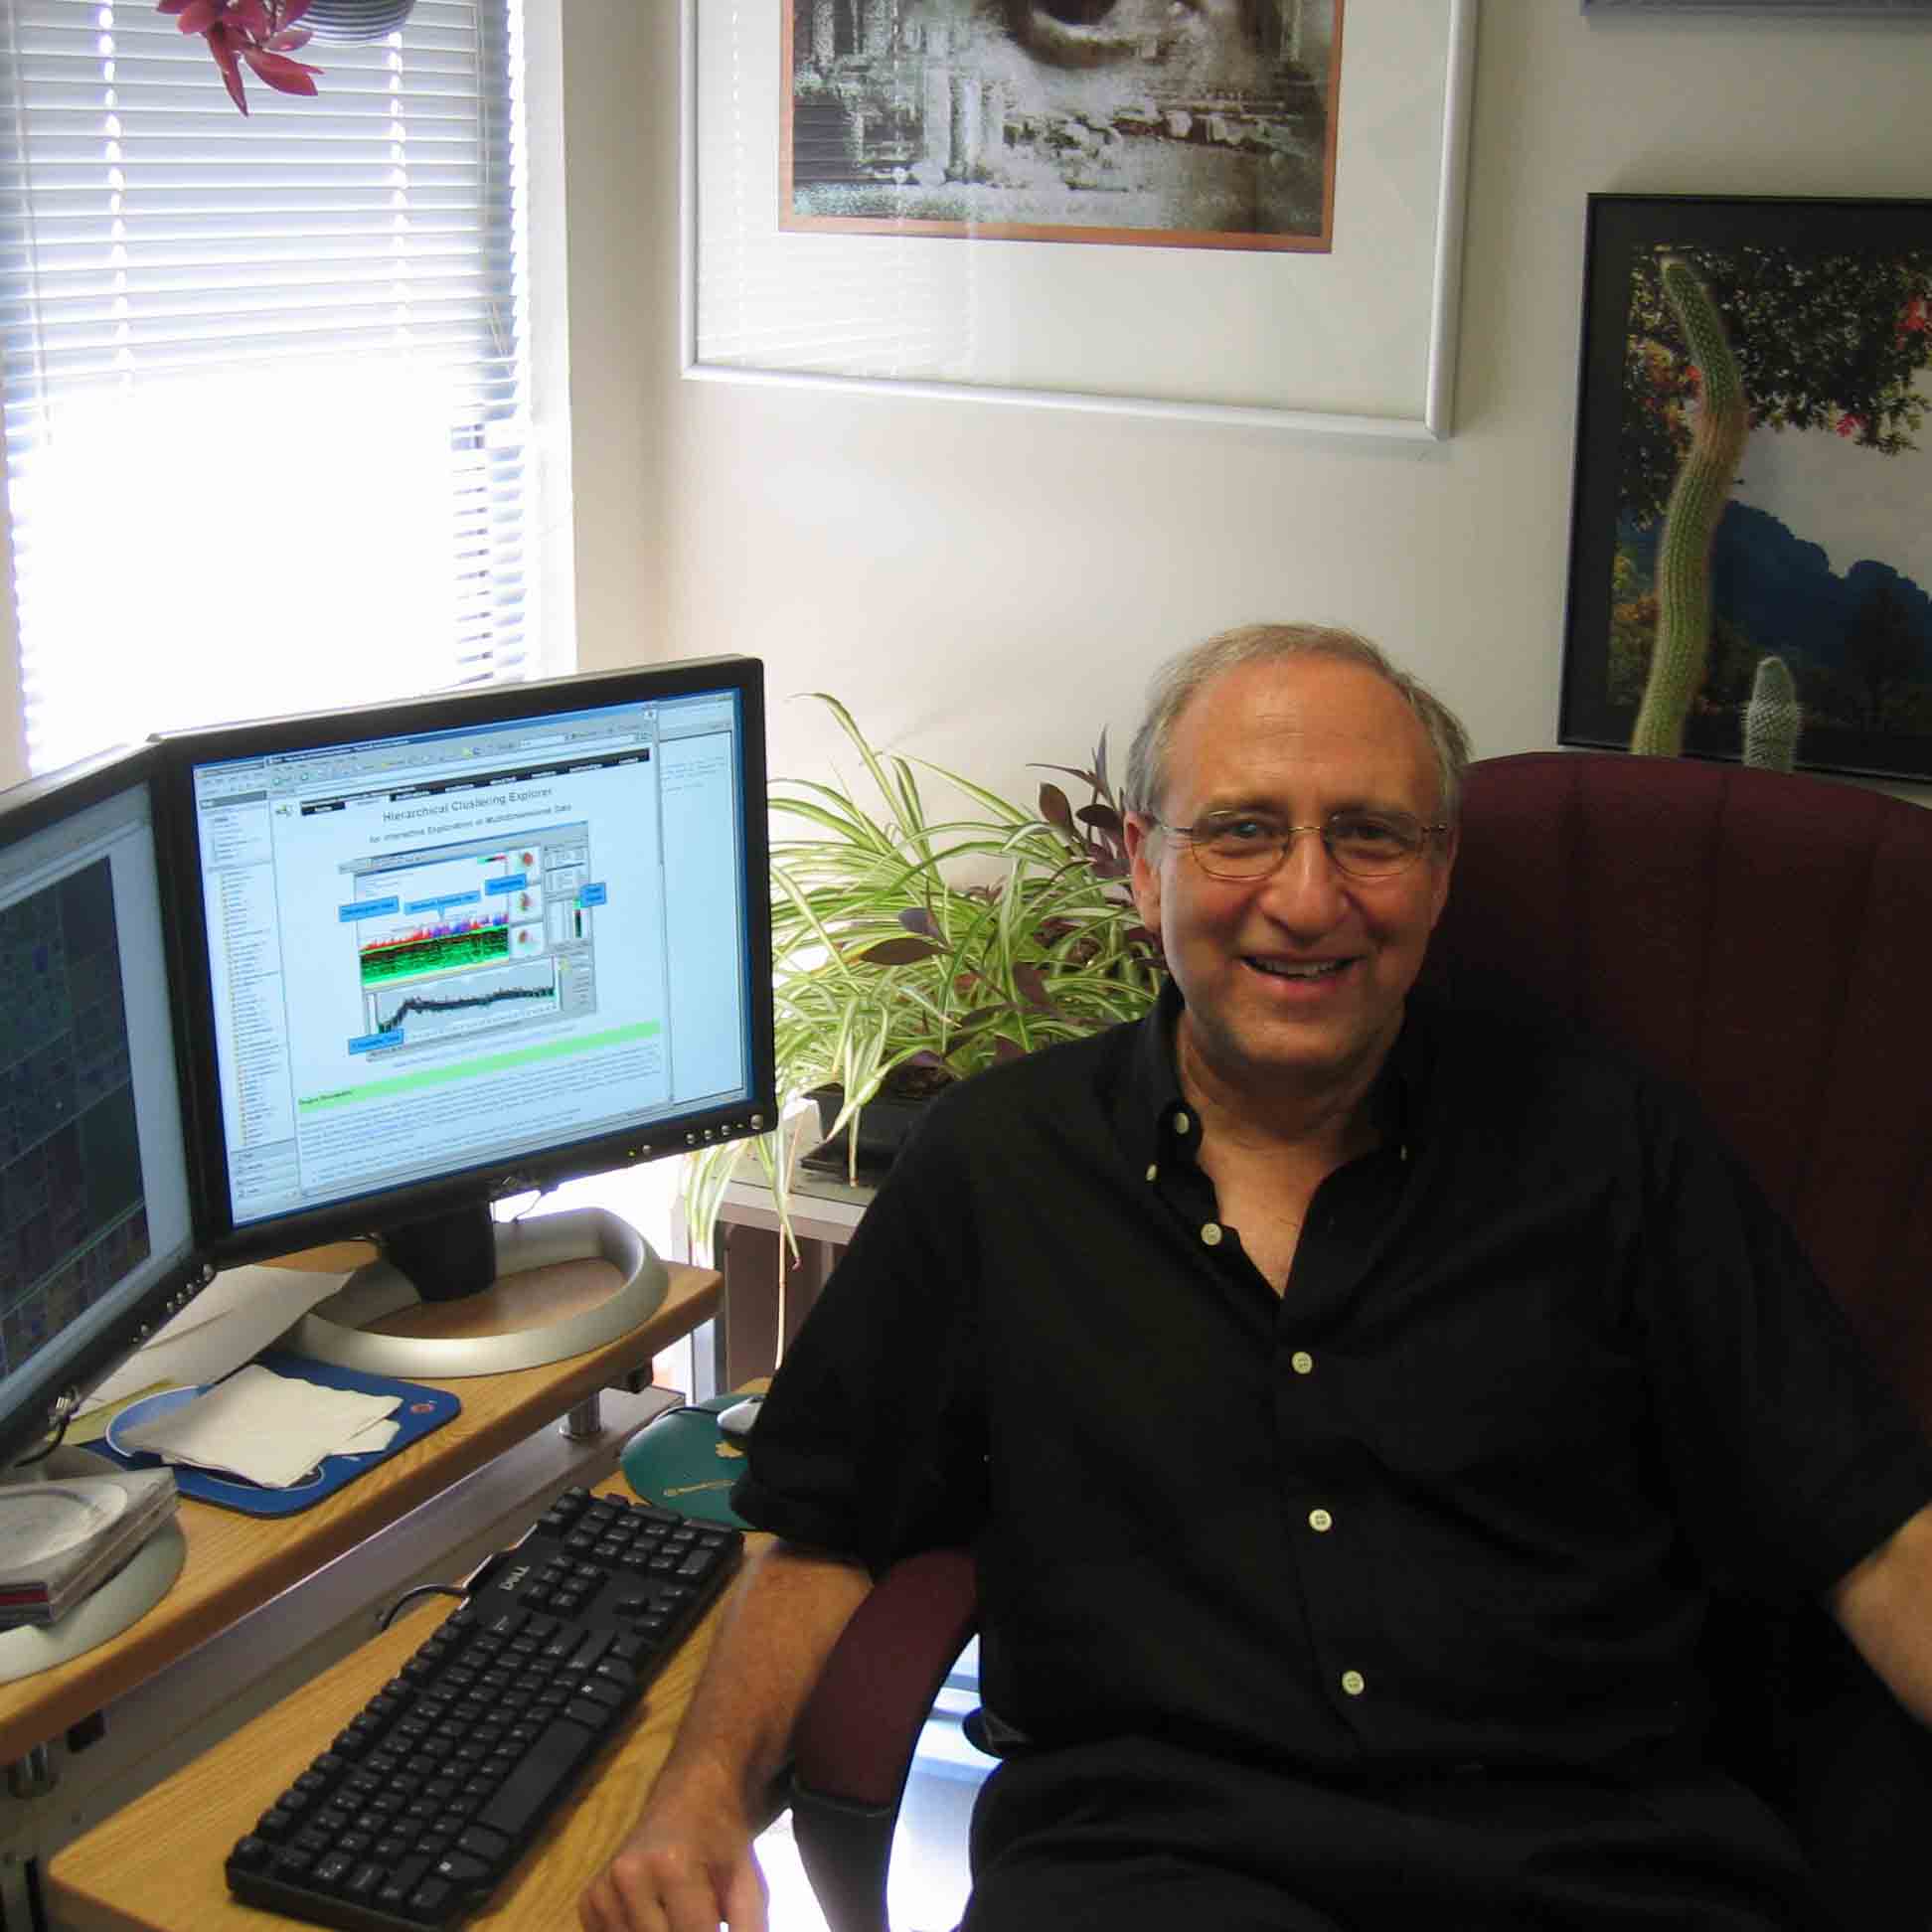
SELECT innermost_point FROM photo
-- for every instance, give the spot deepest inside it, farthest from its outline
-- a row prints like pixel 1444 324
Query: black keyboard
pixel 430 1794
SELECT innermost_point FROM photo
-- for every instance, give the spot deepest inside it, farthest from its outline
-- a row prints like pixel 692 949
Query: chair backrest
pixel 1763 938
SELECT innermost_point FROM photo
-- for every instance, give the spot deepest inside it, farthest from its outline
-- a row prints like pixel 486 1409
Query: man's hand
pixel 687 1865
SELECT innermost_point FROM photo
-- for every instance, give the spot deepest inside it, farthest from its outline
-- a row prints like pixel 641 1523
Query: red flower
pixel 1853 426
pixel 262 33
pixel 1916 319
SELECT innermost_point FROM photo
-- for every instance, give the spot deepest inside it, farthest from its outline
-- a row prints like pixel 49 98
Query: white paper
pixel 238 1314
pixel 271 1429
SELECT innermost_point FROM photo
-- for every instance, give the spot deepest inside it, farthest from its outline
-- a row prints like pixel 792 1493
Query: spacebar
pixel 528 1791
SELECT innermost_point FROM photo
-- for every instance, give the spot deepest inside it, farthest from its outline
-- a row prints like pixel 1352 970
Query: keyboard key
pixel 395 1891
pixel 482 1843
pixel 363 1883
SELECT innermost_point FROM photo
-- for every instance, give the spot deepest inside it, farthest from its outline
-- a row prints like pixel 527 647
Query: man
pixel 1348 1402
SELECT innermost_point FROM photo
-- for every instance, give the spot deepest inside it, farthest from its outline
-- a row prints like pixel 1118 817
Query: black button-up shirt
pixel 1544 1367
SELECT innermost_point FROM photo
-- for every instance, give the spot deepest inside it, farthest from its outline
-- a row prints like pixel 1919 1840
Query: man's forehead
pixel 1314 716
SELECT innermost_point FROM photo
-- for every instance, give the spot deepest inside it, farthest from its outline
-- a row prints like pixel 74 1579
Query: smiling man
pixel 1349 1399
pixel 1302 866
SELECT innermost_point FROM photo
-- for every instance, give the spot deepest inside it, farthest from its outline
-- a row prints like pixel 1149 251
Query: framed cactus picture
pixel 1750 571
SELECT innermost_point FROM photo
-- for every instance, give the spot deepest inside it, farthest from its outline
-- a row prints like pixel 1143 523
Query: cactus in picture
pixel 1697 500
pixel 1773 718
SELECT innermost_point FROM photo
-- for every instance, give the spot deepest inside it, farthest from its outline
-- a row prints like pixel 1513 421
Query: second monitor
pixel 444 952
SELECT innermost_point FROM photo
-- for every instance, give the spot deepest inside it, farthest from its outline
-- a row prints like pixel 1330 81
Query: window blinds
pixel 264 389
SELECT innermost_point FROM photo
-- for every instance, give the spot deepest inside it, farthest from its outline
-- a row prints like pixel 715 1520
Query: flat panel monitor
pixel 98 1242
pixel 444 952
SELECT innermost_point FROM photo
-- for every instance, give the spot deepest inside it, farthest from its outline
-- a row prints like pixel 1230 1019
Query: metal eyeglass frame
pixel 1285 839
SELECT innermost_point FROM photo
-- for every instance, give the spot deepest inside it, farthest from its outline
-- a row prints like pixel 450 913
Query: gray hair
pixel 1178 682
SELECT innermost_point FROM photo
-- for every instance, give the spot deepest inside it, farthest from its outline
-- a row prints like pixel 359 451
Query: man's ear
pixel 1443 858
pixel 1144 868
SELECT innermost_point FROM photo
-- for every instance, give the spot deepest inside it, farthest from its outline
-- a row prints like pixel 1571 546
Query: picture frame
pixel 1816 9
pixel 1357 339
pixel 1807 487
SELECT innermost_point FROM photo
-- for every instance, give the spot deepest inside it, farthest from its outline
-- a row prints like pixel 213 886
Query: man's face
pixel 1294 983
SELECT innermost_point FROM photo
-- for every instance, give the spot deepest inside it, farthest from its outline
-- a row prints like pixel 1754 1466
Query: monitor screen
pixel 97 1213
pixel 443 952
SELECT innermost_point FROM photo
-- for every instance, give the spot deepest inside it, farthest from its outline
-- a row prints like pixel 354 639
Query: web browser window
pixel 443 949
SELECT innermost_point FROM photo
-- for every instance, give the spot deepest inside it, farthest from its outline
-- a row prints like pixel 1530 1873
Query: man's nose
pixel 1307 890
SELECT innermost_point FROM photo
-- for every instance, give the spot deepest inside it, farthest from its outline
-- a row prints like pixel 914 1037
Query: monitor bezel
pixel 26 810
pixel 365 1215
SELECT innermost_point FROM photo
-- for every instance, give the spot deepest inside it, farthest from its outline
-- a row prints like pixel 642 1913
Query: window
pixel 265 383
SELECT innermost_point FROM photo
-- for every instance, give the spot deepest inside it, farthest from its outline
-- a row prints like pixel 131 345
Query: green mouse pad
pixel 683 1461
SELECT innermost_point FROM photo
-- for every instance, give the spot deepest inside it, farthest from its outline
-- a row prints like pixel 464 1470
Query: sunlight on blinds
pixel 265 383
pixel 250 571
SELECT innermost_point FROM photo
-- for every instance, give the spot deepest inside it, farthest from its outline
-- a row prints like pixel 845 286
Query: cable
pixel 422 1589
pixel 41 1455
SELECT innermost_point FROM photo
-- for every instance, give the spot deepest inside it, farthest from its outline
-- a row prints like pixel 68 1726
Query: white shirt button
pixel 1153 1171
pixel 1320 1520
pixel 1211 1233
pixel 1302 1363
pixel 1181 1124
pixel 1354 1683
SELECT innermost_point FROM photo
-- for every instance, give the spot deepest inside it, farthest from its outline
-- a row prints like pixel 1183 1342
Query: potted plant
pixel 912 949
pixel 264 34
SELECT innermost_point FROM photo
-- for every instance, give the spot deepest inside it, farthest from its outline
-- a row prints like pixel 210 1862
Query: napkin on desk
pixel 240 1313
pixel 270 1429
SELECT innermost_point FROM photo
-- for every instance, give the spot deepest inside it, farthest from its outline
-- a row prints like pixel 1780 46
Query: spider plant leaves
pixel 946 942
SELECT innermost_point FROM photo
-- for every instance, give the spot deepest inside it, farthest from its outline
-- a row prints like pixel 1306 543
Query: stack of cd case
pixel 61 1537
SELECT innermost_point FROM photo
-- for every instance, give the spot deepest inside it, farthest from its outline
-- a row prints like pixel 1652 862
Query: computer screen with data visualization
pixel 480 942
pixel 96 1209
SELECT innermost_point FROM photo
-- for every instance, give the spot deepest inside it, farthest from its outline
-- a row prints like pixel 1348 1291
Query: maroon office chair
pixel 1766 940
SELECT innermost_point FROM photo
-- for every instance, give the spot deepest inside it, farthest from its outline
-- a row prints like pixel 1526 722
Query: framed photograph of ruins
pixel 1245 211
pixel 1750 569
pixel 1828 9
pixel 1130 122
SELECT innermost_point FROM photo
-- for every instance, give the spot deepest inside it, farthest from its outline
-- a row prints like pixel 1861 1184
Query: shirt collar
pixel 1150 1096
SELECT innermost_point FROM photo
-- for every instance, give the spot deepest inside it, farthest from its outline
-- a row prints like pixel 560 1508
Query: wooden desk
pixel 156 1866
pixel 235 1563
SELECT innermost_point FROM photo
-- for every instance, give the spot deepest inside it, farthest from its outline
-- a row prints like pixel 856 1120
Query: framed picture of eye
pixel 1234 208
pixel 1826 9
pixel 1135 122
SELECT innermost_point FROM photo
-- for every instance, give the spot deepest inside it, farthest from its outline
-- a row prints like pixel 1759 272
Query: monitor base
pixel 118 1602
pixel 338 1330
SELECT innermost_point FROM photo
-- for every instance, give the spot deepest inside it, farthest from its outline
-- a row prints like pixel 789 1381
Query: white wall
pixel 988 586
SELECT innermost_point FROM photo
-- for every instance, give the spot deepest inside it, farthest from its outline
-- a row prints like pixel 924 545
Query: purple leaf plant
pixel 257 34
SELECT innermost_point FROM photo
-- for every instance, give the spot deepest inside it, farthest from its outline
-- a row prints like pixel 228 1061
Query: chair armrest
pixel 855 1740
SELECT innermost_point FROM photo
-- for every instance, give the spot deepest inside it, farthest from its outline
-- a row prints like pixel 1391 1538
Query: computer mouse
pixel 739 1418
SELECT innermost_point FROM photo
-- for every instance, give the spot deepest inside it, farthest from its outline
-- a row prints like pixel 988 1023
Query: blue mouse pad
pixel 682 1460
pixel 422 1409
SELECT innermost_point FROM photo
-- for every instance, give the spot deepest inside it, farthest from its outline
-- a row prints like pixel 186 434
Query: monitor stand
pixel 339 1329
pixel 118 1602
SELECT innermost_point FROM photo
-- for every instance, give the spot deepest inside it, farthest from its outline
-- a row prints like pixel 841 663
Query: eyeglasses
pixel 1364 845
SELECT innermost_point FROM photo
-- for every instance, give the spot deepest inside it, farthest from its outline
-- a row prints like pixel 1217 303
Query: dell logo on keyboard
pixel 515 1578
